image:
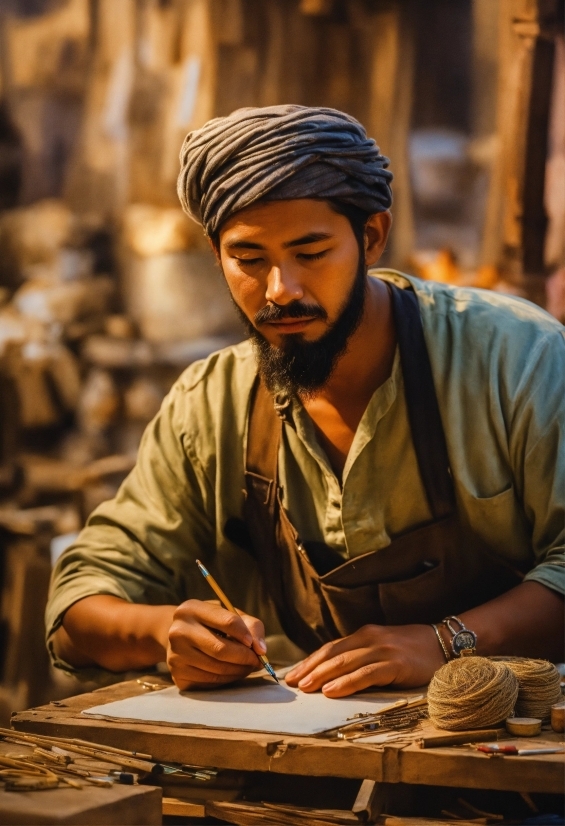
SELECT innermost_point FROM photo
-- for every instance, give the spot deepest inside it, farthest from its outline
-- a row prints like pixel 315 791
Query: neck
pixel 368 360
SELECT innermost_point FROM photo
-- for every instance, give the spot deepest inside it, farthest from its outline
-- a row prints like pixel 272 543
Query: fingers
pixel 257 631
pixel 404 656
pixel 187 637
pixel 347 665
pixel 344 673
pixel 203 661
pixel 324 654
pixel 190 678
pixel 215 616
pixel 210 646
pixel 373 674
pixel 242 627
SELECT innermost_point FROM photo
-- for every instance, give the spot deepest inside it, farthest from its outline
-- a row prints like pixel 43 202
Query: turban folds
pixel 279 153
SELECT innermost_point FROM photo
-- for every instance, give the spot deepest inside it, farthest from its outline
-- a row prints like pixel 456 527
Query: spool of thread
pixel 558 717
pixel 523 726
pixel 540 687
pixel 472 692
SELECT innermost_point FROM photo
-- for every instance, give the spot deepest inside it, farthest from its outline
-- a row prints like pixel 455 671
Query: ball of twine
pixel 539 685
pixel 471 692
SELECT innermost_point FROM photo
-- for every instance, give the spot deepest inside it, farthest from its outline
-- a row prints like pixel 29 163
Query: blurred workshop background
pixel 107 292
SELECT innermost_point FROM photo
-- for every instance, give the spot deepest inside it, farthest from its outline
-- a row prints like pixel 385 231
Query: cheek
pixel 245 289
pixel 336 280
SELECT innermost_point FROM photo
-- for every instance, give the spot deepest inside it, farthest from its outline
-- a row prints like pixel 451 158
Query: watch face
pixel 463 640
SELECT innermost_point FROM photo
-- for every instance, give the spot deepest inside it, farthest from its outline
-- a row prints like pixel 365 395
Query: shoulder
pixel 475 307
pixel 220 368
pixel 212 395
pixel 484 344
pixel 481 324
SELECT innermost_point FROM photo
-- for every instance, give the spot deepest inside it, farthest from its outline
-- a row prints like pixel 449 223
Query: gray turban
pixel 279 153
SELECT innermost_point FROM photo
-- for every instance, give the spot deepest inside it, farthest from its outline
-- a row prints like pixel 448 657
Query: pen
pixel 227 604
pixel 494 748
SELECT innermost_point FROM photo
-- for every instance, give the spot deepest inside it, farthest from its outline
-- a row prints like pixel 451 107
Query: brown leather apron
pixel 433 570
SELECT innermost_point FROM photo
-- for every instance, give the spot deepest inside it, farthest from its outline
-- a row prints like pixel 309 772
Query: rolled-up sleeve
pixel 537 446
pixel 139 546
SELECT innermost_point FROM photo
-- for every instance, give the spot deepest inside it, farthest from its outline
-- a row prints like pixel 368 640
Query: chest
pixel 378 494
pixel 335 429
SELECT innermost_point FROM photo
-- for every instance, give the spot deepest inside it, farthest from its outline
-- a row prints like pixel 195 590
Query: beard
pixel 299 367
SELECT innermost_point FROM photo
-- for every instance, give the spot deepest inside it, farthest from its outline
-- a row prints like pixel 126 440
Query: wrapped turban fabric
pixel 280 153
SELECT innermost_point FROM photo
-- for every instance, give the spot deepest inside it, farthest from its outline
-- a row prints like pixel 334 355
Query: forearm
pixel 114 634
pixel 527 621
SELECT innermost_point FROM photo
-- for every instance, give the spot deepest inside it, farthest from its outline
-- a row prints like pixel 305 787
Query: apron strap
pixel 424 416
pixel 264 433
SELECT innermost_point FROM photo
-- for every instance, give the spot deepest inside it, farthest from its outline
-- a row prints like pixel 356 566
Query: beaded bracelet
pixel 441 642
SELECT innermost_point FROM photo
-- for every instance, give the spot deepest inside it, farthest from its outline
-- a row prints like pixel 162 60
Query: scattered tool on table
pixel 53 761
pixel 402 715
pixel 497 748
pixel 460 738
pixel 227 604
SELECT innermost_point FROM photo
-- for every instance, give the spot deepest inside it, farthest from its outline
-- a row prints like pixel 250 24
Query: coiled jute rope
pixel 539 686
pixel 472 692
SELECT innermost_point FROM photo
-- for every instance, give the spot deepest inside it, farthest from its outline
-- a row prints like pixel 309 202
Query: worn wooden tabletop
pixel 459 766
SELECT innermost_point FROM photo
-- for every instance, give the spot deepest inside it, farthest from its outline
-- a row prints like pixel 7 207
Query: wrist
pixel 163 620
pixel 436 655
pixel 489 640
pixel 149 629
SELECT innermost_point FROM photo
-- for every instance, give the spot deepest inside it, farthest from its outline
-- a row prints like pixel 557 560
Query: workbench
pixel 312 757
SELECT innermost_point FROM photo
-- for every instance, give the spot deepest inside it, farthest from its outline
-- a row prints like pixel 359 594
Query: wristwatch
pixel 464 641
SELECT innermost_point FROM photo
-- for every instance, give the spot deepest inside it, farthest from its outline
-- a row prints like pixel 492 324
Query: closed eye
pixel 247 261
pixel 312 256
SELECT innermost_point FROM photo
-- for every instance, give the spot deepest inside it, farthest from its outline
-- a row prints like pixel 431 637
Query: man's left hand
pixel 376 655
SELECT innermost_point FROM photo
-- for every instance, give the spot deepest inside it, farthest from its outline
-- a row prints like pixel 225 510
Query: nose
pixel 283 287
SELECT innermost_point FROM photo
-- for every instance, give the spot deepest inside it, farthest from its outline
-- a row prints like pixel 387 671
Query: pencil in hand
pixel 227 604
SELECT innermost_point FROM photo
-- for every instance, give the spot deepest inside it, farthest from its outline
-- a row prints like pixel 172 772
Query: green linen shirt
pixel 499 372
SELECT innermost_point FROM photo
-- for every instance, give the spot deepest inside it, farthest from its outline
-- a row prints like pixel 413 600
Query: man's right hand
pixel 209 646
pixel 204 644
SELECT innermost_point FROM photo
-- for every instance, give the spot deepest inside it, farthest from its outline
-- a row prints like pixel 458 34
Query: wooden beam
pixel 390 112
pixel 371 800
pixel 515 222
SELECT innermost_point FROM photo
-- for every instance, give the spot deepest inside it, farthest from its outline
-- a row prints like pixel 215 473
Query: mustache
pixel 296 309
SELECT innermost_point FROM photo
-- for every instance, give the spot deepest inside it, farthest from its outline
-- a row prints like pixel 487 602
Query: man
pixel 400 459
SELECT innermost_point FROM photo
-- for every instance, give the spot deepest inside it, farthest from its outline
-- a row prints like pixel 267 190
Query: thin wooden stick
pixel 90 751
pixel 4 732
pixel 114 750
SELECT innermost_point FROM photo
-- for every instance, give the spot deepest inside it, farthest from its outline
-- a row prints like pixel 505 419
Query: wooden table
pixel 290 755
pixel 119 805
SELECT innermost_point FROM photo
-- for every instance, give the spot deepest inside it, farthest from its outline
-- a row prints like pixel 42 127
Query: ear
pixel 377 229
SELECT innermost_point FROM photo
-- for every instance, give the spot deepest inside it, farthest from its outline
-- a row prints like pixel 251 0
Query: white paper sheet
pixel 260 706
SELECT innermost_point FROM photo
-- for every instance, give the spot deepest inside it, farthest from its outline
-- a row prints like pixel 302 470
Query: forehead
pixel 281 221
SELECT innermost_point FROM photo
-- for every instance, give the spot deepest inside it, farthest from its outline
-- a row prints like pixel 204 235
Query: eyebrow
pixel 310 238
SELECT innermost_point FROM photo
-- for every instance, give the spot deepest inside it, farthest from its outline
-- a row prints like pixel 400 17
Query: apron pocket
pixel 501 523
pixel 421 599
pixel 351 608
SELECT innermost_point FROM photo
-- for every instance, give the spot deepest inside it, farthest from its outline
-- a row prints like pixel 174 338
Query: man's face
pixel 285 252
pixel 294 272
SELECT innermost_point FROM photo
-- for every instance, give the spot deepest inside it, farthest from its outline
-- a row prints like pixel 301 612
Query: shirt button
pixel 335 503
